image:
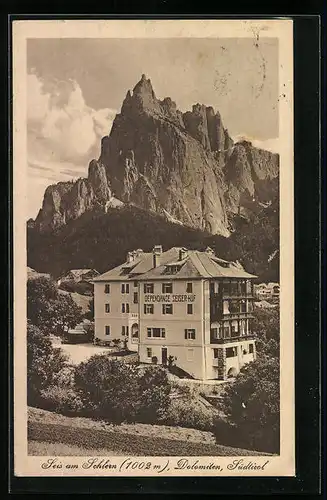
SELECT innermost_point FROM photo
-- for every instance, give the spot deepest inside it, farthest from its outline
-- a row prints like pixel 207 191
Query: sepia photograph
pixel 153 184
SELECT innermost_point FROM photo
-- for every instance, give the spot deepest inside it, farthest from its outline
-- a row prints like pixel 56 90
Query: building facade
pixel 181 306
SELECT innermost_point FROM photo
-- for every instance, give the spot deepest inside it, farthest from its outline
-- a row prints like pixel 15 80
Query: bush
pixel 188 414
pixel 44 363
pixel 154 390
pixel 109 387
pixel 251 405
pixel 119 392
pixel 61 399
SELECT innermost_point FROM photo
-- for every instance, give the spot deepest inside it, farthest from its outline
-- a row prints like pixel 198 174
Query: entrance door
pixel 164 355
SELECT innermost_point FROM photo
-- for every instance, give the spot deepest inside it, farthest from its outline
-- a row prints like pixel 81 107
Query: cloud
pixel 271 144
pixel 63 133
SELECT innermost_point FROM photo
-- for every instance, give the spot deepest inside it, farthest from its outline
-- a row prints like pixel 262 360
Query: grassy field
pixel 69 435
pixel 43 448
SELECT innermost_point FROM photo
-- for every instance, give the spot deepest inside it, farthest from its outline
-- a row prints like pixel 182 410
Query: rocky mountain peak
pixel 183 165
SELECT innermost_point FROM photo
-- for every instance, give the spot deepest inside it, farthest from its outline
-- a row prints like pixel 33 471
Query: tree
pixel 65 314
pixel 266 326
pixel 90 312
pixel 108 387
pixel 41 293
pixel 89 329
pixel 44 363
pixel 49 309
pixel 251 404
pixel 154 391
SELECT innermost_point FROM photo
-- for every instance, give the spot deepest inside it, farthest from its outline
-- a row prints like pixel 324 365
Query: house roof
pixel 78 273
pixel 194 264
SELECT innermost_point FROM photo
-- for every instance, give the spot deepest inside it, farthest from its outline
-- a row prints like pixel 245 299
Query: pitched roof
pixel 195 264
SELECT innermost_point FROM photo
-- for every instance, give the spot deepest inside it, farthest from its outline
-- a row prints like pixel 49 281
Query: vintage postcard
pixel 153 248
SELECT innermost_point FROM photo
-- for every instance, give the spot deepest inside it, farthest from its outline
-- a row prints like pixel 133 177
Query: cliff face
pixel 66 201
pixel 183 165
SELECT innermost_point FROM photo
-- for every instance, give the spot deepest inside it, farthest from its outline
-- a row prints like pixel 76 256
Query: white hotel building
pixel 185 304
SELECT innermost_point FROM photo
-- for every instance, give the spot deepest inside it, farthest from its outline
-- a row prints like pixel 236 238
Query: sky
pixel 75 87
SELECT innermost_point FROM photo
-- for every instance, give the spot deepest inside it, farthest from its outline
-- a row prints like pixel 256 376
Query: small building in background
pixel 265 291
pixel 78 280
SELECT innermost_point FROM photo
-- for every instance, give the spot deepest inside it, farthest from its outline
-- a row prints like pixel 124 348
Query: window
pixel 231 352
pixel 135 298
pixel 190 334
pixel 107 288
pixel 212 288
pixel 189 287
pixel 125 308
pixel 167 308
pixel 172 269
pixel 243 306
pixel 190 354
pixel 107 308
pixel 243 288
pixel 226 307
pixel 226 288
pixel 226 331
pixel 125 288
pixel 135 284
pixel 234 306
pixel 189 308
pixel 148 288
pixel 124 330
pixel 148 308
pixel 251 349
pixel 107 330
pixel 215 353
pixel 167 288
pixel 234 328
pixel 149 352
pixel 234 288
pixel 217 333
pixel 156 332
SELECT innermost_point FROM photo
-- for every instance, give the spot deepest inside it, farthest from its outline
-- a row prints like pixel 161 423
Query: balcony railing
pixel 233 338
pixel 231 295
pixel 220 316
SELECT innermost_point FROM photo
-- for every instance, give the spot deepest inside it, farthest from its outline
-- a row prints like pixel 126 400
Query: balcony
pixel 231 294
pixel 237 315
pixel 233 338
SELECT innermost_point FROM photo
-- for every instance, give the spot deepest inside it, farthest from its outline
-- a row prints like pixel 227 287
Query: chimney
pixel 182 253
pixel 130 257
pixel 157 251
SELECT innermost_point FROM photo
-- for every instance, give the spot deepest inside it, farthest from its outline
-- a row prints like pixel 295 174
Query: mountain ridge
pixel 184 166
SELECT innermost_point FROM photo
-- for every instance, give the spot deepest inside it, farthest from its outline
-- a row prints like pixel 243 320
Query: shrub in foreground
pixel 120 392
pixel 251 404
pixel 153 399
pixel 61 399
pixel 108 387
pixel 44 363
pixel 185 413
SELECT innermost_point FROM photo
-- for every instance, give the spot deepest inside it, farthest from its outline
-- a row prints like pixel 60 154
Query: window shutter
pixel 185 334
